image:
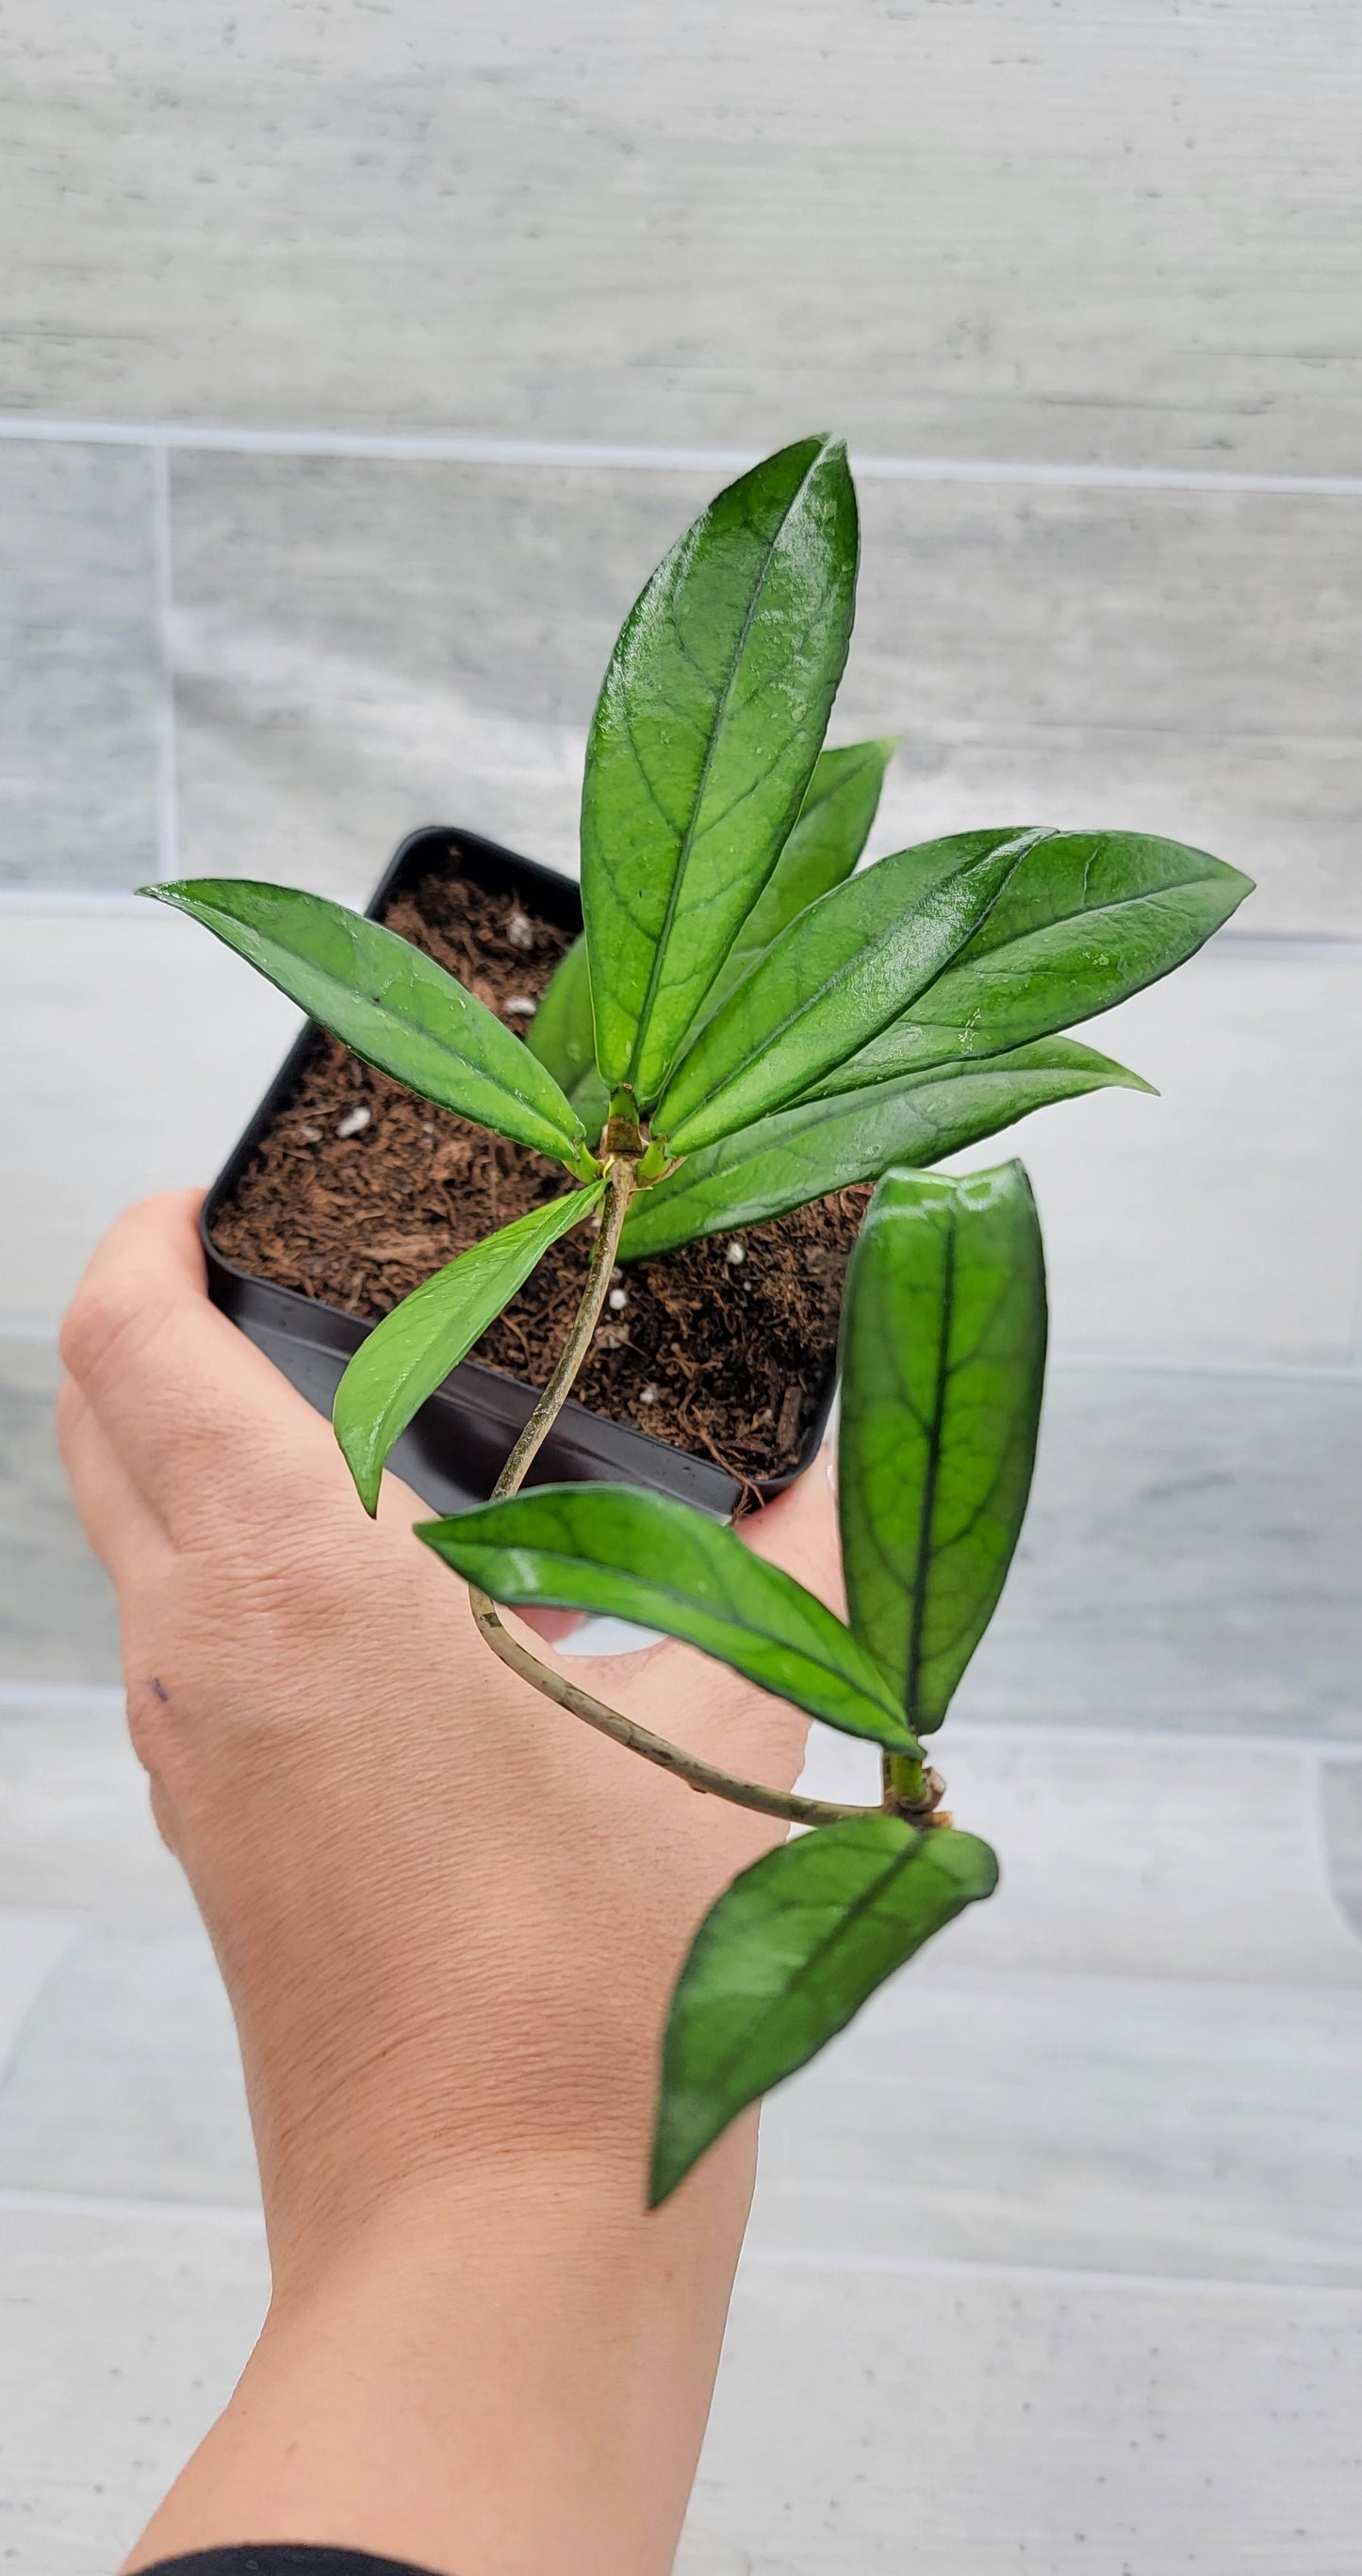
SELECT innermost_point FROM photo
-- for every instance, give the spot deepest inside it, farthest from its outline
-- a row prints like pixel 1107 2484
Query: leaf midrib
pixel 846 1921
pixel 925 1554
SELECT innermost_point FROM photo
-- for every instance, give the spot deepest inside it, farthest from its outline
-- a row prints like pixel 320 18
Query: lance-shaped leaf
pixel 788 1955
pixel 392 1005
pixel 412 1351
pixel 561 1033
pixel 816 1146
pixel 708 725
pixel 943 1358
pixel 832 830
pixel 663 1565
pixel 1087 919
pixel 837 975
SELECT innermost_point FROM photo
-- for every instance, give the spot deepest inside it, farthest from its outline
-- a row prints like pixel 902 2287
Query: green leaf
pixel 561 1033
pixel 392 1005
pixel 708 725
pixel 412 1351
pixel 943 1358
pixel 642 1557
pixel 1087 919
pixel 788 1955
pixel 816 1146
pixel 832 830
pixel 838 974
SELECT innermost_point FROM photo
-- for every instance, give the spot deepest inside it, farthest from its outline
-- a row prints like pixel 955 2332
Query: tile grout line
pixel 468 447
pixel 1083 1735
pixel 238 2220
pixel 940 2267
pixel 167 757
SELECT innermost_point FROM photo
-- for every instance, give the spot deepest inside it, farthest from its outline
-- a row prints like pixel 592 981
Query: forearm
pixel 505 2375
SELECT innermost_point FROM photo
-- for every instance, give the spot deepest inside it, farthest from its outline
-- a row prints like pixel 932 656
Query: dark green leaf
pixel 1087 919
pixel 394 1007
pixel 642 1557
pixel 943 1357
pixel 788 1955
pixel 832 830
pixel 708 725
pixel 840 972
pixel 802 1153
pixel 412 1351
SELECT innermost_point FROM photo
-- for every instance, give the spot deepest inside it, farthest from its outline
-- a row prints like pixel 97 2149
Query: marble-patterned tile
pixel 121 2338
pixel 138 1047
pixel 361 645
pixel 871 2419
pixel 75 1814
pixel 1186 1559
pixel 80 658
pixel 1341 1822
pixel 1126 232
pixel 33 1941
pixel 126 2081
pixel 76 1828
pixel 1209 1225
pixel 1129 1854
pixel 1106 2124
pixel 57 1618
pixel 1183 663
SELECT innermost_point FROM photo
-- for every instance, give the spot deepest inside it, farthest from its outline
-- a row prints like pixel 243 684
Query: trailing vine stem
pixel 704 1777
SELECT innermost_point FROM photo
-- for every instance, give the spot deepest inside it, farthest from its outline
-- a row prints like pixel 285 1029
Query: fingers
pixel 187 1405
pixel 799 1532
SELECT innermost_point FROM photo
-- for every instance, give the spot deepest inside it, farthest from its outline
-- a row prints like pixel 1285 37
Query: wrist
pixel 509 2366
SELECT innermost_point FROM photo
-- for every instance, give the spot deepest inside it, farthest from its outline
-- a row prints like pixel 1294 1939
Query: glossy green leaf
pixel 1087 919
pixel 788 1955
pixel 561 1033
pixel 643 1557
pixel 832 830
pixel 840 972
pixel 804 1152
pixel 412 1351
pixel 943 1359
pixel 392 1005
pixel 708 725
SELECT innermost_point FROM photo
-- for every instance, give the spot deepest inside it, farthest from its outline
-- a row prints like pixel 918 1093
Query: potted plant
pixel 750 1027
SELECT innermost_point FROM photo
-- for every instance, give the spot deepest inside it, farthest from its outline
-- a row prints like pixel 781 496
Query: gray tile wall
pixel 1056 2257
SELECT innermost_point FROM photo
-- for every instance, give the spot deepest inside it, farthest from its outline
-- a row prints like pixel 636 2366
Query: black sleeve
pixel 283 2558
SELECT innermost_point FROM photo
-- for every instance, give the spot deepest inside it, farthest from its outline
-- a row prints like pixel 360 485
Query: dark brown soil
pixel 721 1357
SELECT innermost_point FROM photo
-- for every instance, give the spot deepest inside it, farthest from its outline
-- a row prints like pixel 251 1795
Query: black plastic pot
pixel 454 1450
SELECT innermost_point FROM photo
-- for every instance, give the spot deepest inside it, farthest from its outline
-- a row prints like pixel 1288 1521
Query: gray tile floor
pixel 1057 2258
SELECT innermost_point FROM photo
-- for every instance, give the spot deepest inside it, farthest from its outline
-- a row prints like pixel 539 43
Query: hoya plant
pixel 943 1355
pixel 749 1022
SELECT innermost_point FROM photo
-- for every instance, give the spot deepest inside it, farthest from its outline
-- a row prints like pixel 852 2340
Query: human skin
pixel 448 1918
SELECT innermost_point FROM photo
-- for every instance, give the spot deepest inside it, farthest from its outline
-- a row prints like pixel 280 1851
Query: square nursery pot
pixel 455 1448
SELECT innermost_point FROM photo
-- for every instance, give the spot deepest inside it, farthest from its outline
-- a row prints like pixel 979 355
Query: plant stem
pixel 911 1789
pixel 584 1322
pixel 701 1776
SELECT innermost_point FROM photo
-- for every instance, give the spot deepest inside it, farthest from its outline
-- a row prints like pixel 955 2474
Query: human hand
pixel 448 1919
